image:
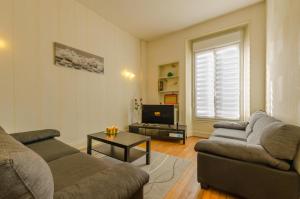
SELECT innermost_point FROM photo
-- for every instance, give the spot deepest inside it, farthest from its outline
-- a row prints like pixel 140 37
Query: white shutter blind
pixel 217 83
pixel 227 89
pixel 205 80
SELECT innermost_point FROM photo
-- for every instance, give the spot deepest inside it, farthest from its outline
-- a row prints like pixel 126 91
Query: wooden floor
pixel 187 186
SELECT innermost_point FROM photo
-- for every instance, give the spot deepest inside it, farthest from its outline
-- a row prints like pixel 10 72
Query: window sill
pixel 213 119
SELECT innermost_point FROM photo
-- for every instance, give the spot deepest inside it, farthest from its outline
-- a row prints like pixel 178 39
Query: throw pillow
pixel 23 173
pixel 281 140
pixel 231 125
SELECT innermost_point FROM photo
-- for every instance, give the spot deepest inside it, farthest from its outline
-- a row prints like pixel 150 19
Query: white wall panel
pixel 37 94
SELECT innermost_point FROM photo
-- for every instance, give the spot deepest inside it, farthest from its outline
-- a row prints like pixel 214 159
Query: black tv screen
pixel 158 114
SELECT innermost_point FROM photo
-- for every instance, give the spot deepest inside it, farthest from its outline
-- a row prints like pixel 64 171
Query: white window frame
pixel 241 48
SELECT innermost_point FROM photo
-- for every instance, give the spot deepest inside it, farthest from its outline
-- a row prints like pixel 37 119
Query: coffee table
pixel 120 146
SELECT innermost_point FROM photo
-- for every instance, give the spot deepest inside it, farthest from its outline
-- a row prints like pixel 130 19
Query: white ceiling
pixel 149 19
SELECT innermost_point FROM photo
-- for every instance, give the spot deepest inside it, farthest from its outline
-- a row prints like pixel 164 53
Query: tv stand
pixel 160 131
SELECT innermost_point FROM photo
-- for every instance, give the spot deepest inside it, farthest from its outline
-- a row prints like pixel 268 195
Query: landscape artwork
pixel 73 58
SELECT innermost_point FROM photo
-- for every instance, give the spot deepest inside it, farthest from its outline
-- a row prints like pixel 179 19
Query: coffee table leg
pixel 89 146
pixel 126 154
pixel 112 149
pixel 148 152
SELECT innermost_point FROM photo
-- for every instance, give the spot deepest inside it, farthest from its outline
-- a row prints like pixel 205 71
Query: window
pixel 217 82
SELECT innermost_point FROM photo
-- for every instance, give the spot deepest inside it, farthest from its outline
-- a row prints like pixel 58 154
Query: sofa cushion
pixel 230 133
pixel 72 168
pixel 231 125
pixel 83 176
pixel 281 140
pixel 23 173
pixel 120 181
pixel 52 149
pixel 35 136
pixel 260 124
pixel 240 150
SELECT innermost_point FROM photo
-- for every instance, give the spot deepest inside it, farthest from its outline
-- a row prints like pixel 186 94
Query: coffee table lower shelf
pixel 118 153
pixel 120 146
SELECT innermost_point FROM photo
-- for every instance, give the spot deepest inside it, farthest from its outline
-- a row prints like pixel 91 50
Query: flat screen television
pixel 158 114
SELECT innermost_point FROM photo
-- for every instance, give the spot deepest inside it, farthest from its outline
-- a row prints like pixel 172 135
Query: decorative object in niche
pixel 170 74
pixel 73 58
pixel 170 99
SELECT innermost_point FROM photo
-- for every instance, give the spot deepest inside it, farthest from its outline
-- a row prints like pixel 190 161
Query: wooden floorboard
pixel 187 186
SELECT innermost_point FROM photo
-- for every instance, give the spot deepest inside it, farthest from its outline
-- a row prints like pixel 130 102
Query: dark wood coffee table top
pixel 122 139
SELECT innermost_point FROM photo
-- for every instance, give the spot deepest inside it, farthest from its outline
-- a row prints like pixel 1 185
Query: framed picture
pixel 77 59
pixel 170 99
pixel 161 85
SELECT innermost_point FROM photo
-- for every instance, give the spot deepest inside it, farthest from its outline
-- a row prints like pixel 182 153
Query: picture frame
pixel 70 57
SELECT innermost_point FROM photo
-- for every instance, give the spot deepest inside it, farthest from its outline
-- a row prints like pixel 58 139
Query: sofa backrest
pixel 35 136
pixel 258 127
pixel 23 173
pixel 253 118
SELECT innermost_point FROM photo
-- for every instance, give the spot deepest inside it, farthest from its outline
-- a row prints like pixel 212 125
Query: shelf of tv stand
pixel 181 130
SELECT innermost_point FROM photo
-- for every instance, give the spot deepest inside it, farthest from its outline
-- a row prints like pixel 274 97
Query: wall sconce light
pixel 128 74
pixel 2 44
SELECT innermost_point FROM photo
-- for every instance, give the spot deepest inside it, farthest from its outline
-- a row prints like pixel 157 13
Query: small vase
pixel 139 119
pixel 137 116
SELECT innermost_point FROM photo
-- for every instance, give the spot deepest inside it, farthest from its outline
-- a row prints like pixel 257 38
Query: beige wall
pixel 173 47
pixel 36 94
pixel 283 60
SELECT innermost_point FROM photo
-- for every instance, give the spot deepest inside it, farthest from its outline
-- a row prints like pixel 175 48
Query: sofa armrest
pixel 231 125
pixel 241 151
pixel 120 181
pixel 34 136
pixel 246 179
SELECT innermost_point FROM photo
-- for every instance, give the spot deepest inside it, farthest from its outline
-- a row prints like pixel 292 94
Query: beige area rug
pixel 164 171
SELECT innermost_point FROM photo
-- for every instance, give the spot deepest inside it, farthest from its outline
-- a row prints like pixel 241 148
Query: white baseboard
pixel 201 134
pixel 80 145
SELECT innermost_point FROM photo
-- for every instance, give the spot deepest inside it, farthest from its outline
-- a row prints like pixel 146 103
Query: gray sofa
pixel 259 159
pixel 36 165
